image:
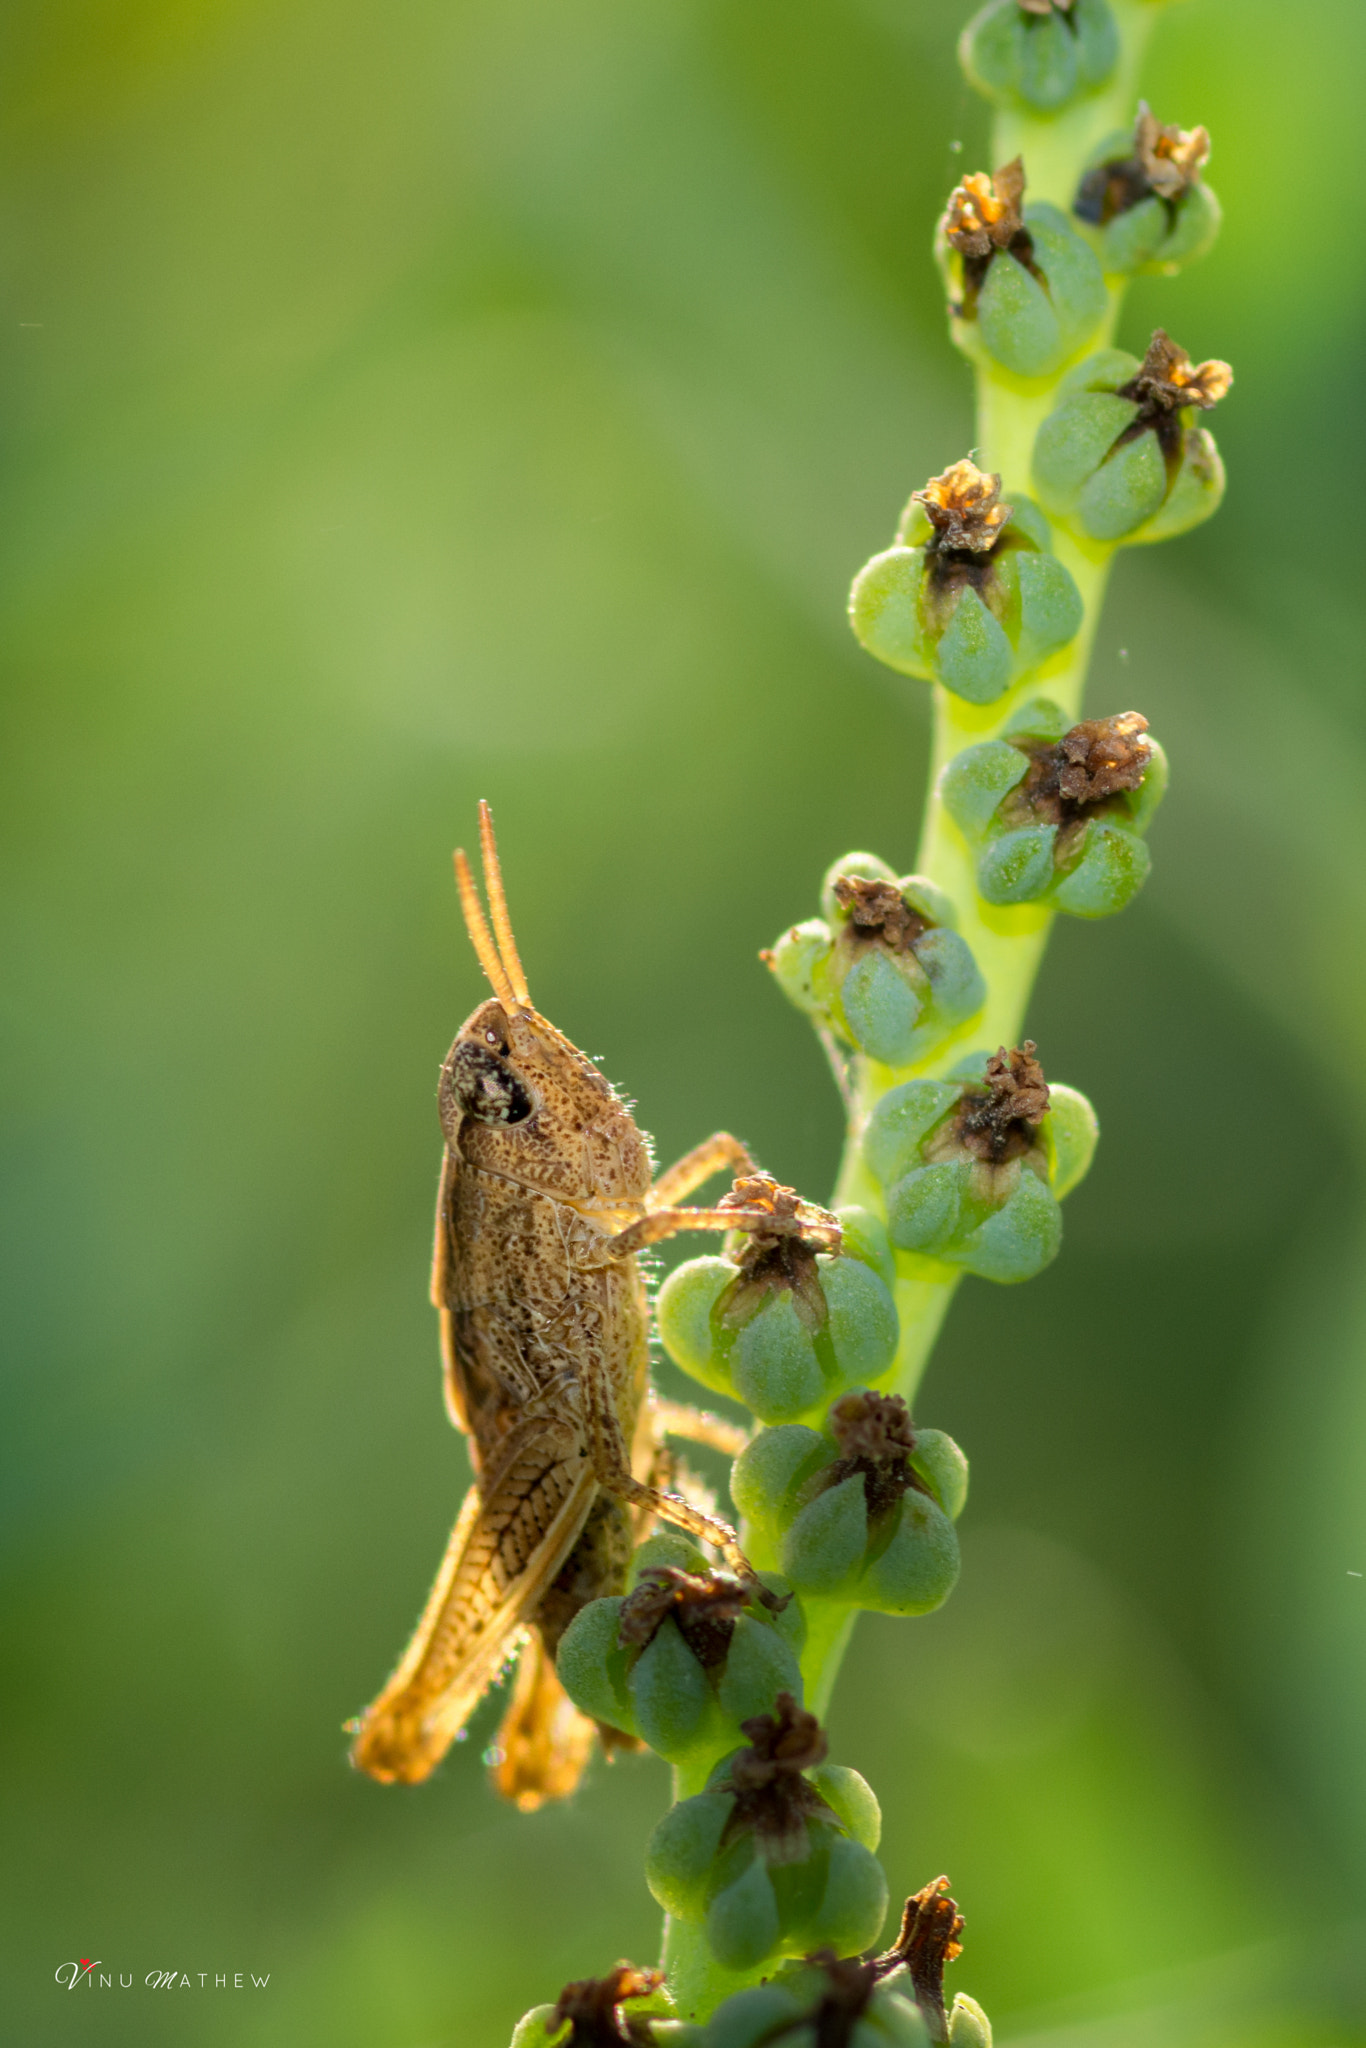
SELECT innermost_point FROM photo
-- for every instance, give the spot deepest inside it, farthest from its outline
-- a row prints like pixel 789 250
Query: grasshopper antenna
pixel 481 938
pixel 498 907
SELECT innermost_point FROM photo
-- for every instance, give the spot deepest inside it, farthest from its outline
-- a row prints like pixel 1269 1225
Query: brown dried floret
pixel 983 213
pixel 786 1215
pixel 1165 163
pixel 869 1425
pixel 704 1605
pixel 1096 761
pixel 778 1253
pixel 1167 380
pixel 929 1938
pixel 875 1438
pixel 1170 158
pixel 878 910
pixel 591 2007
pixel 849 1985
pixel 963 506
pixel 1102 756
pixel 773 1801
pixel 1000 1122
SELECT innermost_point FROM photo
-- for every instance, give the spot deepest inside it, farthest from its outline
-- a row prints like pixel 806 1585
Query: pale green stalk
pixel 1008 944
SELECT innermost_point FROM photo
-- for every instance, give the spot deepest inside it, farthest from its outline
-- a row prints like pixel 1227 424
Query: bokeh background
pixel 449 398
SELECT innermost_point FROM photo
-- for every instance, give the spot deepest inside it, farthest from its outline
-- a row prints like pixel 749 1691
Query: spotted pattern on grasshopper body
pixel 546 1197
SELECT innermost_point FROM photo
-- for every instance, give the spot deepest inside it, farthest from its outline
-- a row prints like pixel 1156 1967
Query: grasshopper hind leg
pixel 544 1742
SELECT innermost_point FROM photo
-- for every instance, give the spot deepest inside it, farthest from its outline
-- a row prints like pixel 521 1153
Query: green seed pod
pixel 865 1238
pixel 1145 199
pixel 887 974
pixel 973 1167
pixel 798 962
pixel 823 2001
pixel 789 1321
pixel 970 595
pixel 969 2026
pixel 1037 55
pixel 1059 817
pixel 856 1512
pixel 1024 289
pixel 764 2013
pixel 900 978
pixel 764 1858
pixel 538 2028
pixel 1120 455
pixel 683 1659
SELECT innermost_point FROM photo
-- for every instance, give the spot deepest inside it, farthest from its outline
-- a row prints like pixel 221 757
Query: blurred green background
pixel 450 398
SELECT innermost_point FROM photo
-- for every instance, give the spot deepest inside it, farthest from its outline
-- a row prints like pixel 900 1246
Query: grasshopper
pixel 547 1197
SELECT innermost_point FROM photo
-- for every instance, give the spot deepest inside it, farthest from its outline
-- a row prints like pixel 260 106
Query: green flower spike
pixel 974 1168
pixel 775 1857
pixel 1036 55
pixel 588 2014
pixel 861 1512
pixel 1058 816
pixel 1121 457
pixel 791 1318
pixel 970 594
pixel 824 2002
pixel 892 978
pixel 929 1938
pixel 1024 288
pixel 684 1659
pixel 1145 196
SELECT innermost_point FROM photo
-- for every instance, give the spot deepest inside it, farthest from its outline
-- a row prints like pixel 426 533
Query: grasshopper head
pixel 515 1096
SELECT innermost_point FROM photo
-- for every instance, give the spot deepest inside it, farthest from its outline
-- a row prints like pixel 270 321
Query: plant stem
pixel 1055 150
pixel 1008 944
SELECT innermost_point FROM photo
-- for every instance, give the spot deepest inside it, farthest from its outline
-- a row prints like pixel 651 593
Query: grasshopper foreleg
pixel 661 1223
pixel 700 1426
pixel 688 1173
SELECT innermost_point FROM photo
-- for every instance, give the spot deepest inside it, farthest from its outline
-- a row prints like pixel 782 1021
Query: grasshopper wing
pixel 513 1534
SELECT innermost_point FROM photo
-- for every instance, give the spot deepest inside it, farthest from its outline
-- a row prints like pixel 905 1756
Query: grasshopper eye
pixel 483 1086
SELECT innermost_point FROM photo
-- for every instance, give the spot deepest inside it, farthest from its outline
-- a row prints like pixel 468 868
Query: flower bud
pixel 1145 197
pixel 970 594
pixel 786 1321
pixel 1036 55
pixel 1056 816
pixel 590 2011
pixel 859 1512
pixel 1120 456
pixel 775 1857
pixel 974 1167
pixel 823 2002
pixel 1024 288
pixel 683 1659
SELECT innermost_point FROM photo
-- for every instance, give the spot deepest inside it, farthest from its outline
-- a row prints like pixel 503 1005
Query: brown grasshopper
pixel 547 1195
